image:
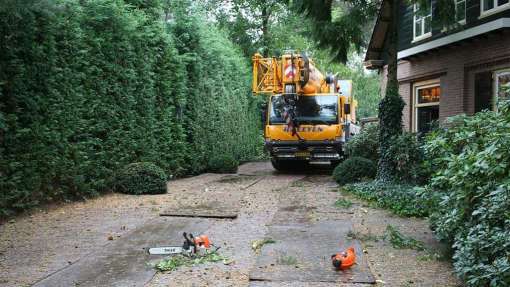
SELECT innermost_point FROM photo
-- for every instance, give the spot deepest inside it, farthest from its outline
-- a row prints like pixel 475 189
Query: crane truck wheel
pixel 281 165
pixel 289 165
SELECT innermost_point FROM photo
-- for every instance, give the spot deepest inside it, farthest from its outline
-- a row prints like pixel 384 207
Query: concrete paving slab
pixel 125 262
pixel 213 211
pixel 302 253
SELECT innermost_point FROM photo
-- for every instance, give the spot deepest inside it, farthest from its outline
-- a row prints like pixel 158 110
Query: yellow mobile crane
pixel 308 117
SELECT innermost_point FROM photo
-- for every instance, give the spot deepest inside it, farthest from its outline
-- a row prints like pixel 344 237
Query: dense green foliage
pixel 471 160
pixel 402 199
pixel 407 153
pixel 220 114
pixel 354 169
pixel 287 30
pixel 140 178
pixel 223 163
pixel 88 87
pixel 365 144
pixel 365 84
pixel 407 158
pixel 390 127
pixel 339 26
pixel 468 198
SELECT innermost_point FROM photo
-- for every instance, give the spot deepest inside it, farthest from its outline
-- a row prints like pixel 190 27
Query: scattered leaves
pixel 176 261
pixel 257 245
pixel 343 203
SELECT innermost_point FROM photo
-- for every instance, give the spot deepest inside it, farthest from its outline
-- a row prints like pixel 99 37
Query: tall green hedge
pixel 89 86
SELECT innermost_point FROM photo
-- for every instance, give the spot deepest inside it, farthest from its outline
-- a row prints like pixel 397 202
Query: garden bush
pixel 140 178
pixel 471 160
pixel 87 87
pixel 223 163
pixel 365 144
pixel 407 158
pixel 405 149
pixel 354 169
pixel 402 199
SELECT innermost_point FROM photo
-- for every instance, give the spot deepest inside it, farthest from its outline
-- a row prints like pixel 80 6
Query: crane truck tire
pixel 289 165
pixel 280 165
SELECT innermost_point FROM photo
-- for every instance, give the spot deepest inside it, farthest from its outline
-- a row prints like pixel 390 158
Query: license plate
pixel 303 154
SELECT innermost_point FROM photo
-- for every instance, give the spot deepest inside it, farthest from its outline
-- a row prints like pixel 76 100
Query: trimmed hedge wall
pixel 88 87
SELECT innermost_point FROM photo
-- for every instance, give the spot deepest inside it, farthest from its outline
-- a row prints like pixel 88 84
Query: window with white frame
pixel 501 87
pixel 460 11
pixel 492 6
pixel 422 24
pixel 426 96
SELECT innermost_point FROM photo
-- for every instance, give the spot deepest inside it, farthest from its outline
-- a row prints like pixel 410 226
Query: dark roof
pixel 374 56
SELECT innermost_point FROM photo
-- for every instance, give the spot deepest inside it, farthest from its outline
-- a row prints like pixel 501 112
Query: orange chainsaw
pixel 344 260
pixel 191 246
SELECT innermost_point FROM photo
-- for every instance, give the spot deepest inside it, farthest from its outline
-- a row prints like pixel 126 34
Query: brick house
pixel 445 72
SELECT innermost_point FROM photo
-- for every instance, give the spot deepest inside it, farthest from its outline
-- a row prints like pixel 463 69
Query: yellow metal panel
pixel 308 132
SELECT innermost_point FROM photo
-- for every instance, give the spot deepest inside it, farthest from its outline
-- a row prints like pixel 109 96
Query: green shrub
pixel 140 178
pixel 471 160
pixel 404 200
pixel 354 169
pixel 365 144
pixel 407 158
pixel 223 163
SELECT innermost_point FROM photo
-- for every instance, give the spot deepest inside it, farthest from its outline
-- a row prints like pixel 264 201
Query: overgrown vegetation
pixel 468 194
pixel 88 87
pixel 354 169
pixel 402 199
pixel 471 159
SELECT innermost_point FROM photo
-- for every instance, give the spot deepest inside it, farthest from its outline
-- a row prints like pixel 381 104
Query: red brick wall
pixel 455 67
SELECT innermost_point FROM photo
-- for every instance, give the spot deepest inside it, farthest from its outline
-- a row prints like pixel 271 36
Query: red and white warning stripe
pixel 289 71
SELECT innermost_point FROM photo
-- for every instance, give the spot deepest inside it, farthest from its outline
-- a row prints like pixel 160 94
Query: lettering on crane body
pixel 305 129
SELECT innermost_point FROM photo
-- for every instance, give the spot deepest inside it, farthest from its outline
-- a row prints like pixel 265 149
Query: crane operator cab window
pixel 309 110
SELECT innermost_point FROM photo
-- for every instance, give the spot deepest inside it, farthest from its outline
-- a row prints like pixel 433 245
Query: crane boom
pixel 272 75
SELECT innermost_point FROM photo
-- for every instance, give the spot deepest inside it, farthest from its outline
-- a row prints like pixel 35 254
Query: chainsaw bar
pixel 166 250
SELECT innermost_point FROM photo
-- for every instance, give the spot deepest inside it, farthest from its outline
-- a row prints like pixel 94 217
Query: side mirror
pixel 263 113
pixel 347 109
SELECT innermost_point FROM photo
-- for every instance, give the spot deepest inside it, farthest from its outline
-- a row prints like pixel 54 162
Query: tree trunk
pixel 265 30
pixel 391 106
pixel 392 45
